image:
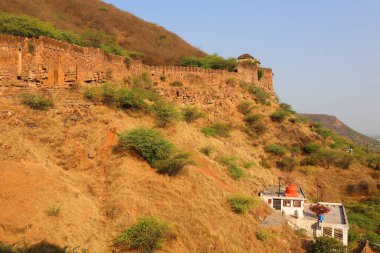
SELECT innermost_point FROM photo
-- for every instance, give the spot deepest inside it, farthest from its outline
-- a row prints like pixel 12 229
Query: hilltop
pixel 339 127
pixel 160 46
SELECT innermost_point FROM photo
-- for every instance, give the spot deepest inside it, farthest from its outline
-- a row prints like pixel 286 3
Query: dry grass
pixel 47 153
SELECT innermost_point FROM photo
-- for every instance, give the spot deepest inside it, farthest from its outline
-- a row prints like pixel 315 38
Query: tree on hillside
pixel 326 244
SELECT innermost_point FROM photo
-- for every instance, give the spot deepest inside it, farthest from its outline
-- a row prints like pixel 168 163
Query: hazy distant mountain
pixel 339 127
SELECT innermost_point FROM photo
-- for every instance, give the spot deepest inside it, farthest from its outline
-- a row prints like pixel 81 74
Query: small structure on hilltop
pixel 290 200
pixel 249 58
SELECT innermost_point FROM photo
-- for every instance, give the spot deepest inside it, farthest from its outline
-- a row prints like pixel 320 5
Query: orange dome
pixel 291 191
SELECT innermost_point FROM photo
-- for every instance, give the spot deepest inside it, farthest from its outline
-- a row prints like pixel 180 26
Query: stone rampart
pixel 45 62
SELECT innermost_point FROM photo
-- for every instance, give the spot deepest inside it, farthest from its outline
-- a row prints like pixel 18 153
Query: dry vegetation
pixel 159 46
pixel 65 156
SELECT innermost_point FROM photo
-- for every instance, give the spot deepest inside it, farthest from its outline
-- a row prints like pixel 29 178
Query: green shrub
pixel 287 163
pixel 264 235
pixel 227 160
pixel 54 211
pixel 326 244
pixel 131 99
pixel 248 165
pixel 311 148
pixel 207 150
pixel 326 157
pixel 155 149
pixel 275 149
pixel 94 94
pixel 210 62
pixel 36 102
pixel 43 247
pixel 236 172
pixel 26 26
pixel 242 204
pixel 260 74
pixel 288 108
pixel 217 129
pixel 176 84
pixel 373 161
pixel 162 78
pixel 258 93
pixel 191 113
pixel 147 143
pixel 147 235
pixel 174 164
pixel 245 107
pixel 142 81
pixel 165 113
pixel 255 126
pixel 279 115
pixel 6 248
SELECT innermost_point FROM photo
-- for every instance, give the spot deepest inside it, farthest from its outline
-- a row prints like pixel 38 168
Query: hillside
pixel 160 46
pixel 339 127
pixel 63 158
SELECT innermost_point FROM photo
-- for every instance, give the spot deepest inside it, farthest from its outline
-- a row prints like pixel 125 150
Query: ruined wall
pixel 44 62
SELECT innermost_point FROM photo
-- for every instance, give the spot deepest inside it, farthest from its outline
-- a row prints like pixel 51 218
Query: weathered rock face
pixel 45 62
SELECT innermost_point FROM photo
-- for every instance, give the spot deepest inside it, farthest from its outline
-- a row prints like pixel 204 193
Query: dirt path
pixel 203 167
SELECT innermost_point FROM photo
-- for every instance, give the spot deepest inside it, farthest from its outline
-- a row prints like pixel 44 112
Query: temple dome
pixel 291 191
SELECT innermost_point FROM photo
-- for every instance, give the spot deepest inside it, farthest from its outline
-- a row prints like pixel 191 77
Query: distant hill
pixel 339 127
pixel 160 46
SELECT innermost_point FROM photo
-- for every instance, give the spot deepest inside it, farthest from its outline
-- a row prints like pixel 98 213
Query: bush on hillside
pixel 36 102
pixel 147 235
pixel 231 82
pixel 311 148
pixel 210 62
pixel 325 244
pixel 275 149
pixel 255 126
pixel 242 204
pixel 259 95
pixel 5 248
pixel 287 163
pixel 191 113
pixel 326 157
pixel 26 26
pixel 165 113
pixel 217 129
pixel 142 81
pixel 373 161
pixel 279 115
pixel 207 150
pixel 235 171
pixel 155 149
pixel 288 108
pixel 131 99
pixel 260 74
pixel 264 235
pixel 245 107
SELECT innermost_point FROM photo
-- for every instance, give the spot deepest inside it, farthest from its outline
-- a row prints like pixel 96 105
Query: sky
pixel 325 54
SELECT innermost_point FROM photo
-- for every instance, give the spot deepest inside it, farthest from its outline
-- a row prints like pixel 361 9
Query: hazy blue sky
pixel 325 54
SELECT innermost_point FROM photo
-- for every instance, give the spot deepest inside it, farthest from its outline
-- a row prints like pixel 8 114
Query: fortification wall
pixel 45 62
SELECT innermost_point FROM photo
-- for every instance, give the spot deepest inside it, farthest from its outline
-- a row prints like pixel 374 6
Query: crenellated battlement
pixel 45 62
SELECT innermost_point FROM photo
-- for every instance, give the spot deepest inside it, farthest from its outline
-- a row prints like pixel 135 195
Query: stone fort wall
pixel 45 62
